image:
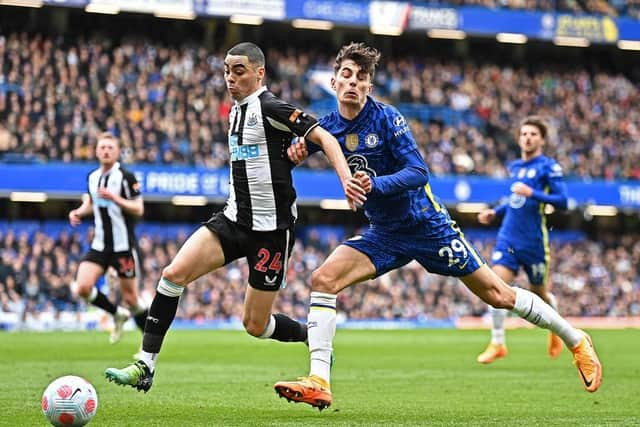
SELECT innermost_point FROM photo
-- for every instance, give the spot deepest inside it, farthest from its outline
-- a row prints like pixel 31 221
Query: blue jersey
pixel 379 142
pixel 524 225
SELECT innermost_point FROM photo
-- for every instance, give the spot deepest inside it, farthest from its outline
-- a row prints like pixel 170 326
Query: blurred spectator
pixel 169 105
pixel 591 278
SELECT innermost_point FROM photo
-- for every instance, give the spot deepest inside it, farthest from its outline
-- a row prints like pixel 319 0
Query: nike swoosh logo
pixel 74 393
pixel 464 265
pixel 586 382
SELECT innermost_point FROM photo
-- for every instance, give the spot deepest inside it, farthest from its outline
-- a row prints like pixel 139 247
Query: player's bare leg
pixel 497 348
pixel 85 286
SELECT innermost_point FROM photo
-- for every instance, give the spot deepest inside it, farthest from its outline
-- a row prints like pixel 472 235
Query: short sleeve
pixel 282 115
pixel 130 185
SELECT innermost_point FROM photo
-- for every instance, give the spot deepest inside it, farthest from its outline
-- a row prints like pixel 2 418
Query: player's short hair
pixel 364 56
pixel 251 51
pixel 538 122
pixel 110 136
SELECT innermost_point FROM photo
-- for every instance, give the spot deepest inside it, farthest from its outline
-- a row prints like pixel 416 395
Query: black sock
pixel 288 330
pixel 161 313
pixel 141 318
pixel 103 302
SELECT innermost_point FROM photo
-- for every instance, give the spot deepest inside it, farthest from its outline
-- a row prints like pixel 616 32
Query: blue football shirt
pixel 524 223
pixel 379 142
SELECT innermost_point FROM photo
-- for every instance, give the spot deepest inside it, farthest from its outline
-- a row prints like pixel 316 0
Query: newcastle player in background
pixel 114 200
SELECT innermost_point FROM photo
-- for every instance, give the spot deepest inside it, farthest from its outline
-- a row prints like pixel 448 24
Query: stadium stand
pixel 169 106
pixel 591 278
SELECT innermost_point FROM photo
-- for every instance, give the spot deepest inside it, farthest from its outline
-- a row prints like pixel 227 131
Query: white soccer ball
pixel 69 401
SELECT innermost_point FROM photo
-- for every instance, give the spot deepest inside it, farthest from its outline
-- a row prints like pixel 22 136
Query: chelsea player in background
pixel 522 239
pixel 407 222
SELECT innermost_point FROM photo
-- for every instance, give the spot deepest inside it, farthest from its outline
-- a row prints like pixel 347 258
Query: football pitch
pixel 381 378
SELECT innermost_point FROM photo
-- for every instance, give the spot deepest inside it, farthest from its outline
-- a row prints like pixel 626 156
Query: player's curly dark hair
pixel 364 56
pixel 538 122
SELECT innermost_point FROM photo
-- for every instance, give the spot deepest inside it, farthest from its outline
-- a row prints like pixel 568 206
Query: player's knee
pixel 82 289
pixel 175 275
pixel 500 298
pixel 253 327
pixel 130 298
pixel 323 282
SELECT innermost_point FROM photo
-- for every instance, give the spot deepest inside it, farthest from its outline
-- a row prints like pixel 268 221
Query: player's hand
pixel 365 181
pixel 521 189
pixel 106 194
pixel 297 151
pixel 74 218
pixel 486 216
pixel 354 192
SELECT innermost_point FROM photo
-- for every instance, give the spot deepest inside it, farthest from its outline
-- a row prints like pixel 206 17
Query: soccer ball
pixel 69 401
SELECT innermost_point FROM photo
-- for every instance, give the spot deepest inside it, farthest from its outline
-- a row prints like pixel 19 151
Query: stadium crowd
pixel 169 105
pixel 629 8
pixel 590 278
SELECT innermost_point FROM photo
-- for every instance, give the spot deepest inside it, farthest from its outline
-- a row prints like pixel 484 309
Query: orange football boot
pixel 312 390
pixel 493 352
pixel 588 364
pixel 554 346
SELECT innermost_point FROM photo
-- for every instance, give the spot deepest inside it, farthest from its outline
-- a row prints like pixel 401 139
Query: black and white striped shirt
pixel 261 194
pixel 114 228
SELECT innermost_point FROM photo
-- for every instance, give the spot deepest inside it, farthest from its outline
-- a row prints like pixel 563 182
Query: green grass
pixel 381 378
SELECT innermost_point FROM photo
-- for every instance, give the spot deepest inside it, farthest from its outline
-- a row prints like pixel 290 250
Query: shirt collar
pixel 115 167
pixel 362 113
pixel 253 96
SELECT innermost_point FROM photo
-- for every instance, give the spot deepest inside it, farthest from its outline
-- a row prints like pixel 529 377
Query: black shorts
pixel 125 263
pixel 267 252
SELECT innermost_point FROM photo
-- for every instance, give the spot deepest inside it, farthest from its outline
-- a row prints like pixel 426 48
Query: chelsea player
pixel 522 238
pixel 407 222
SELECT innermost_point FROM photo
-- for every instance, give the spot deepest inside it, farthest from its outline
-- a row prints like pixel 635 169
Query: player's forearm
pixel 131 206
pixel 413 174
pixel 556 200
pixel 85 208
pixel 408 178
pixel 500 210
pixel 332 150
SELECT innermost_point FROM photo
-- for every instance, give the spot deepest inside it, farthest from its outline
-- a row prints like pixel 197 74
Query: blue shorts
pixel 446 252
pixel 535 261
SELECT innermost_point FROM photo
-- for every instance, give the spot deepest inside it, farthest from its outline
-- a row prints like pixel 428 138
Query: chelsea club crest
pixel 371 140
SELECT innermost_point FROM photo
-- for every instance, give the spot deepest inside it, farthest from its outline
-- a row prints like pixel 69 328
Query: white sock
pixel 93 295
pixel 553 302
pixel 138 308
pixel 497 325
pixel 322 328
pixel 122 312
pixel 271 326
pixel 532 308
pixel 149 359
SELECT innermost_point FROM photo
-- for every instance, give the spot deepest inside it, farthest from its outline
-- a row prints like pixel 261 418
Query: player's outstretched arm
pixel 75 216
pixel 351 186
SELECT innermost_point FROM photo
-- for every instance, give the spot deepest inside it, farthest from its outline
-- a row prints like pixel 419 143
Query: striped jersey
pixel 261 193
pixel 378 141
pixel 114 228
